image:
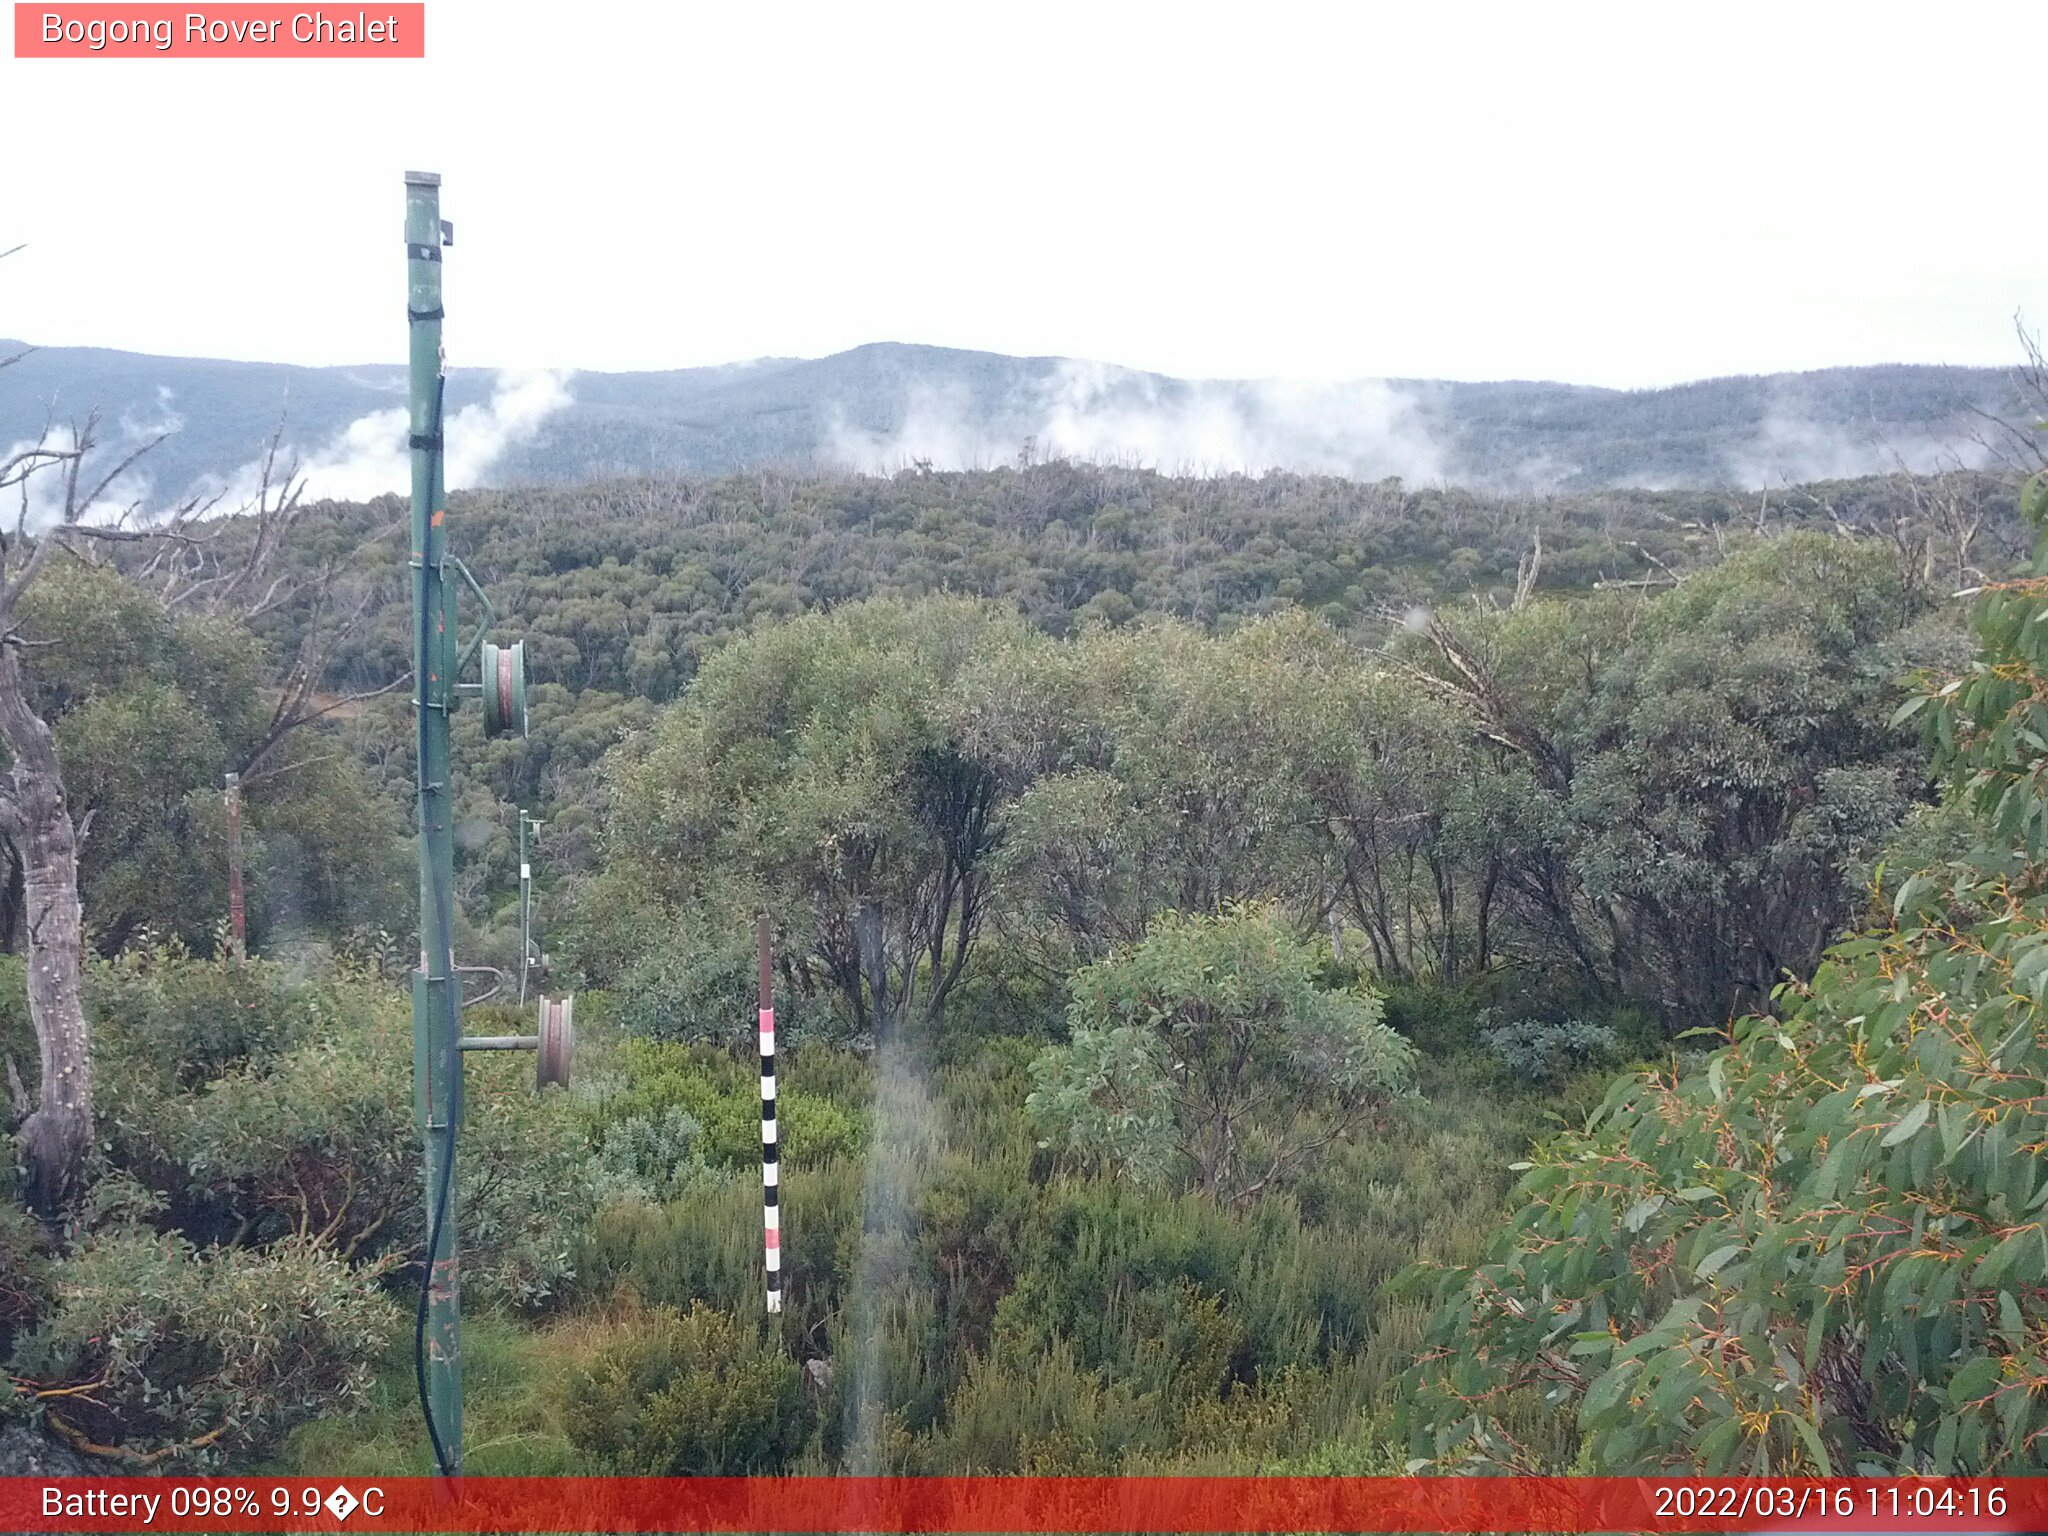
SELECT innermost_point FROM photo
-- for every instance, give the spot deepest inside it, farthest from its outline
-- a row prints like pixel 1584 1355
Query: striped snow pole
pixel 771 1176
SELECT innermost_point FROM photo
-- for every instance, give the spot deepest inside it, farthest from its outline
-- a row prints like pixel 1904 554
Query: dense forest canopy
pixel 1825 1244
pixel 1191 896
pixel 622 590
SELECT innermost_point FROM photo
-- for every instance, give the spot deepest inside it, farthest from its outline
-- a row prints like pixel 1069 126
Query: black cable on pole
pixel 419 1335
pixel 443 908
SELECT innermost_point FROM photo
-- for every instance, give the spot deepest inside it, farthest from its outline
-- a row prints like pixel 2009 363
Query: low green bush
pixel 313 1136
pixel 1209 1055
pixel 708 1247
pixel 687 1394
pixel 189 1019
pixel 153 1350
pixel 1547 1053
pixel 1184 1409
pixel 722 1096
pixel 650 1159
pixel 697 986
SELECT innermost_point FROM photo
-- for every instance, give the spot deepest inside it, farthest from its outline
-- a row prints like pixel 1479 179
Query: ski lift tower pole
pixel 437 1063
pixel 438 659
pixel 527 958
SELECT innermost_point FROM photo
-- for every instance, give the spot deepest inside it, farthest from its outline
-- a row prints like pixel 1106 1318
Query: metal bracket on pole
pixel 484 628
pixel 554 1047
pixel 502 675
pixel 529 952
pixel 497 983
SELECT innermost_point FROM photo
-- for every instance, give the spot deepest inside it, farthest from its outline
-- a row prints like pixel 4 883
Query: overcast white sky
pixel 1620 195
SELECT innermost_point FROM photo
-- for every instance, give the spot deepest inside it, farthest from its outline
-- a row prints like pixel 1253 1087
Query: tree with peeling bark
pixel 188 561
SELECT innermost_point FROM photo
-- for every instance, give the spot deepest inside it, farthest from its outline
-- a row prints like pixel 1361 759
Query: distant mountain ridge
pixel 889 405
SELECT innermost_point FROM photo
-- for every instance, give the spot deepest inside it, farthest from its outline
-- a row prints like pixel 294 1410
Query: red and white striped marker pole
pixel 771 1172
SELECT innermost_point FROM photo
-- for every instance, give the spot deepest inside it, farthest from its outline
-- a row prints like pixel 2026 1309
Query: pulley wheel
pixel 504 688
pixel 557 1040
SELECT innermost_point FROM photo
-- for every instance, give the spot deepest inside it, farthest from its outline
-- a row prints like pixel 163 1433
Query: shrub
pixel 708 1246
pixel 1822 1249
pixel 1537 1051
pixel 699 985
pixel 1047 1413
pixel 723 1097
pixel 313 1143
pixel 154 1350
pixel 1099 1248
pixel 1043 1415
pixel 187 1020
pixel 1712 1273
pixel 312 1137
pixel 647 1158
pixel 1178 1042
pixel 527 1186
pixel 687 1394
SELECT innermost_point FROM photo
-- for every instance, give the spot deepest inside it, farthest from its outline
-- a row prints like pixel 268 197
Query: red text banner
pixel 227 31
pixel 1024 1504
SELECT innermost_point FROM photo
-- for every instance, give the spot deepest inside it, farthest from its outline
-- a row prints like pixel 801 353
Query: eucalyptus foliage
pixel 821 767
pixel 150 708
pixel 1825 1249
pixel 1210 1052
pixel 259 1108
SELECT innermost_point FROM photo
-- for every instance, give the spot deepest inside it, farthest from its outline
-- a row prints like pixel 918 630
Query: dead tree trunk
pixel 54 1126
pixel 56 1133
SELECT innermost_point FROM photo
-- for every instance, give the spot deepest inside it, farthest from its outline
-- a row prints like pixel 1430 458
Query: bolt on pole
pixel 436 1002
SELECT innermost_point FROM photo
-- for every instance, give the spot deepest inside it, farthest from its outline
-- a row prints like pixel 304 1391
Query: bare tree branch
pixel 2019 448
pixel 317 644
pixel 29 460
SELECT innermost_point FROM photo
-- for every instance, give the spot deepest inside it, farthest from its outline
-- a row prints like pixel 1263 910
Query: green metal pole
pixel 436 1004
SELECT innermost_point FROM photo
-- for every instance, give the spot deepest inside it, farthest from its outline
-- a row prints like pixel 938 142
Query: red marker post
pixel 771 1170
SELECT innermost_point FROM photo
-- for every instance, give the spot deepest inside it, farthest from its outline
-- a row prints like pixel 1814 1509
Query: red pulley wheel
pixel 557 1040
pixel 504 688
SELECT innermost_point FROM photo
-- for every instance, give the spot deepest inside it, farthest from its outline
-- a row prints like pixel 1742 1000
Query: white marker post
pixel 771 1205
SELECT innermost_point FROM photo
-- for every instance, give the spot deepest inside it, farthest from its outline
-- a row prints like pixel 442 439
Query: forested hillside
pixel 620 590
pixel 1197 901
pixel 885 407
